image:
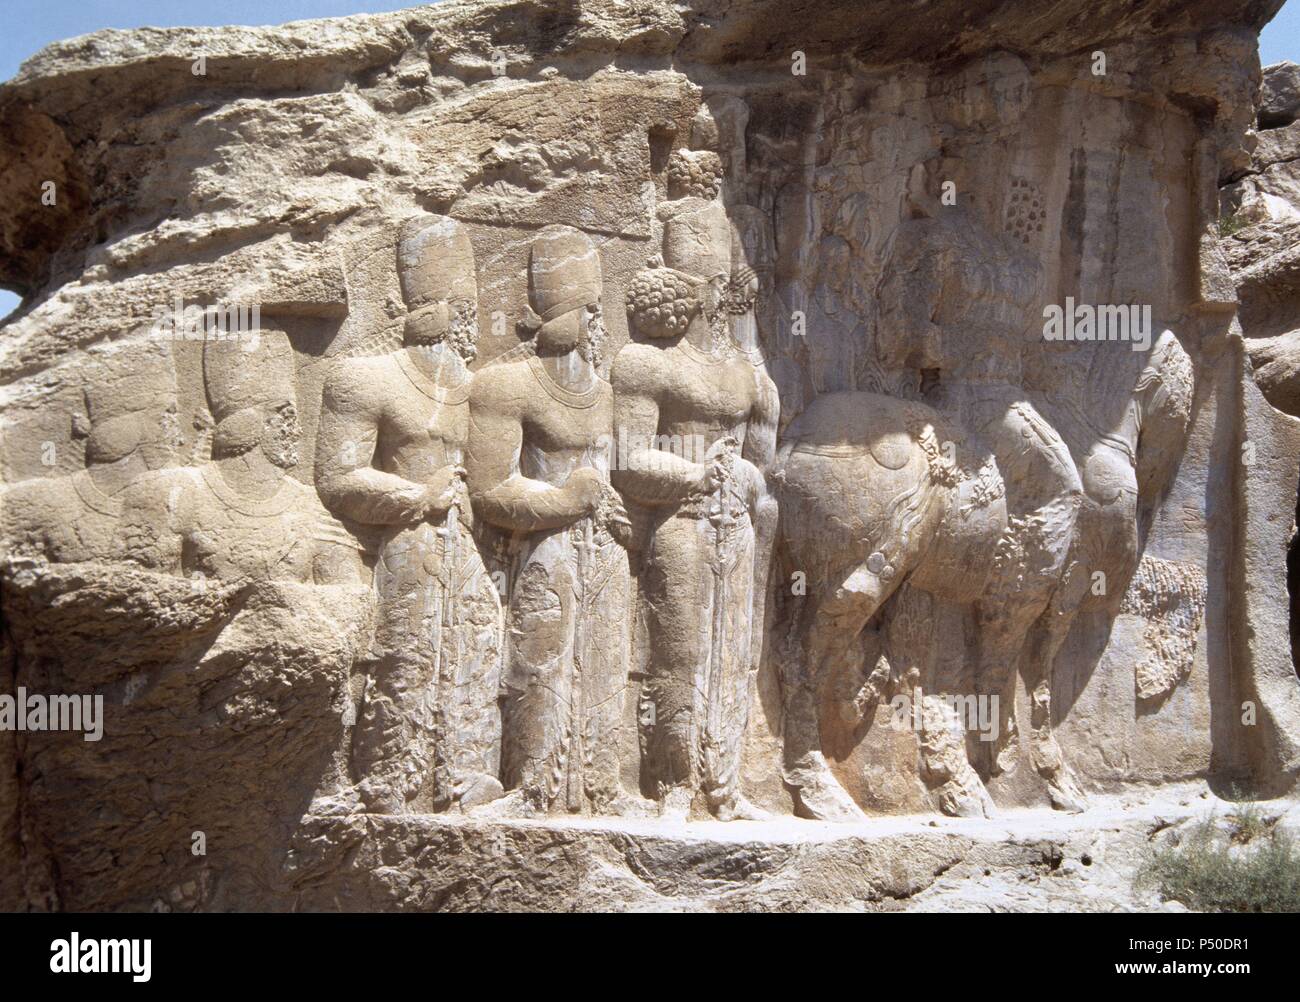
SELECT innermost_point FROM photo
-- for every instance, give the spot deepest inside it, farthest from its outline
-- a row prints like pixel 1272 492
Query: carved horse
pixel 1125 467
pixel 874 492
pixel 877 492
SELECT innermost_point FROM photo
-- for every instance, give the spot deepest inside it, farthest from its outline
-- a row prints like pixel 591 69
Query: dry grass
pixel 1252 867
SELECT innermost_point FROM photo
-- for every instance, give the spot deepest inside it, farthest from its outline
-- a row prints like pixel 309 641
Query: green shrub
pixel 1229 225
pixel 1249 824
pixel 1253 868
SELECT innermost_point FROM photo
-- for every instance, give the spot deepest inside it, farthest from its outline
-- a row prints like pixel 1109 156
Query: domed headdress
pixel 242 378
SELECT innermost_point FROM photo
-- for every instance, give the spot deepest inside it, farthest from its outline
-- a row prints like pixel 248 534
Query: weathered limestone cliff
pixel 633 454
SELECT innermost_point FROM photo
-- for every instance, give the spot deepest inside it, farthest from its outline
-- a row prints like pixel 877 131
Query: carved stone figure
pixel 130 427
pixel 538 465
pixel 389 450
pixel 875 493
pixel 957 306
pixel 1129 463
pixel 699 421
pixel 748 301
pixel 697 413
pixel 823 525
pixel 242 516
pixel 1124 472
pixel 761 324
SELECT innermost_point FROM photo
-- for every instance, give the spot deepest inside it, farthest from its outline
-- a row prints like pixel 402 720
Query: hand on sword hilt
pixel 445 491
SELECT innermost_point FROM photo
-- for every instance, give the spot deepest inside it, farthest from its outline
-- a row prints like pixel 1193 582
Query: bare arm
pixel 759 446
pixel 345 449
pixel 645 473
pixel 760 434
pixel 501 494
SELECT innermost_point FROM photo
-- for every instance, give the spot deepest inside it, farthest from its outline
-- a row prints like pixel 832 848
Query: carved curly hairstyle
pixel 694 173
pixel 661 302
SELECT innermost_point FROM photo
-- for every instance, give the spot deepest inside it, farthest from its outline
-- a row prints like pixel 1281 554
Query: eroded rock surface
pixel 701 456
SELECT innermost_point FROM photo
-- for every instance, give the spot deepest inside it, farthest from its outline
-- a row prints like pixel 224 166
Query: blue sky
pixel 30 25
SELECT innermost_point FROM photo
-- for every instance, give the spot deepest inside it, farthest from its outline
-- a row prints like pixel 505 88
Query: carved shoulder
pixel 28 496
pixel 156 509
pixel 502 389
pixel 169 488
pixel 360 385
pixel 638 370
pixel 27 506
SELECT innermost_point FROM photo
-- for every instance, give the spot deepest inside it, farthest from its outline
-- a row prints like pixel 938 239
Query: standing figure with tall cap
pixel 538 464
pixel 242 516
pixel 391 442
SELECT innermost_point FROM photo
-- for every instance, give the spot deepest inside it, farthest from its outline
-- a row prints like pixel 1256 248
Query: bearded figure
pixel 699 420
pixel 538 464
pixel 393 431
pixel 131 428
pixel 242 516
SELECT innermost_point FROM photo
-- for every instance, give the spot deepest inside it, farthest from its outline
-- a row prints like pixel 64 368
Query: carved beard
pixel 719 319
pixel 592 345
pixel 281 443
pixel 462 333
pixel 282 453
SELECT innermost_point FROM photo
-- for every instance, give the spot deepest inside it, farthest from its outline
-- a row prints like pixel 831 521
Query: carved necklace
pixel 429 386
pixel 754 355
pixel 704 358
pixel 276 504
pixel 570 398
pixel 93 498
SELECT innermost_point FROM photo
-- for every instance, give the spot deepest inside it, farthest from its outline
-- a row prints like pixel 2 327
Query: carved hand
pixel 584 489
pixel 443 491
pixel 405 504
pixel 614 517
pixel 717 465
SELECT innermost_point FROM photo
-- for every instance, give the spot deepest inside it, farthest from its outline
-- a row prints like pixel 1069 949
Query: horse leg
pixel 830 630
pixel 1029 567
pixel 1046 638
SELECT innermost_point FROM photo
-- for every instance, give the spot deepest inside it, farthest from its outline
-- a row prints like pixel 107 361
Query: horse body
pixel 876 492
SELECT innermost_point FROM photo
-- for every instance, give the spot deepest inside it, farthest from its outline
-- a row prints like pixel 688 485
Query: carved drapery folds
pixel 539 472
pixel 561 543
pixel 763 494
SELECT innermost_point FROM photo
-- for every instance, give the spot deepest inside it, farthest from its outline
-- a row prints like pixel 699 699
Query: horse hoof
pixel 1067 797
pixel 819 796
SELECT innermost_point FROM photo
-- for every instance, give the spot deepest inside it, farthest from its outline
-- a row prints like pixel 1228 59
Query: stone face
pixel 644 456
